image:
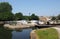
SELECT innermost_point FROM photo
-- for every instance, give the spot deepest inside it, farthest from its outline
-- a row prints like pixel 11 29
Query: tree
pixel 5 6
pixel 58 17
pixel 53 18
pixel 34 17
pixel 6 11
pixel 18 16
pixel 6 16
pixel 25 18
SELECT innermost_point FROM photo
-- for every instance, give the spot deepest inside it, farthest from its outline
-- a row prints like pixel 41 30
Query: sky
pixel 38 7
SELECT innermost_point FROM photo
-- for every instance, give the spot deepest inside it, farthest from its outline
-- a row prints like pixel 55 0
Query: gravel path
pixel 58 29
pixel 33 35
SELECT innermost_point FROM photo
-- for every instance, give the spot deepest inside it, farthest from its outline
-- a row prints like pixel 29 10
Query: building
pixel 44 18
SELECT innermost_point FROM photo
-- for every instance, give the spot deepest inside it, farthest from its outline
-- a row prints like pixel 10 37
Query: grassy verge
pixel 49 33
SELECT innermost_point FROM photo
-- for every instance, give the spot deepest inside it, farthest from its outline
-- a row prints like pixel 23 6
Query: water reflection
pixel 5 34
pixel 25 34
pixel 15 34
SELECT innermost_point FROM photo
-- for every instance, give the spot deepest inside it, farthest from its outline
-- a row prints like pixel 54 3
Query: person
pixel 48 23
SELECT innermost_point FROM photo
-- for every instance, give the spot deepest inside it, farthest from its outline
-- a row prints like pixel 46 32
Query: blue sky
pixel 39 7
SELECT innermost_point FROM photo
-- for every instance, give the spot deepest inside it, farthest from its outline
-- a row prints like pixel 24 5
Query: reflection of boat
pixel 19 30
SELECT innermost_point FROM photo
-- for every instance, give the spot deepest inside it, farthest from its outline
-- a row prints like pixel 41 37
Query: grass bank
pixel 48 33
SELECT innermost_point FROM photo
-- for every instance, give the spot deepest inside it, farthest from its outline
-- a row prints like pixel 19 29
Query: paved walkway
pixel 33 36
pixel 58 29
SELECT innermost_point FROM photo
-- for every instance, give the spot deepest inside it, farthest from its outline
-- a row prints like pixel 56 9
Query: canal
pixel 22 34
pixel 16 34
pixel 5 33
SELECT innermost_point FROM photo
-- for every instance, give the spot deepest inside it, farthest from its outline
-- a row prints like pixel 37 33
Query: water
pixel 4 33
pixel 24 34
pixel 15 34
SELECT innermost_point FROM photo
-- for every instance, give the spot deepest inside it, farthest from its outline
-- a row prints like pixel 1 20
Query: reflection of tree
pixel 5 34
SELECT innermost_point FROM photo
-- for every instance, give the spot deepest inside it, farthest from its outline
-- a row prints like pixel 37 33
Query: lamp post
pixel 29 16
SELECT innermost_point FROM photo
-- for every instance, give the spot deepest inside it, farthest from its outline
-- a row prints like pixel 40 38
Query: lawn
pixel 49 33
